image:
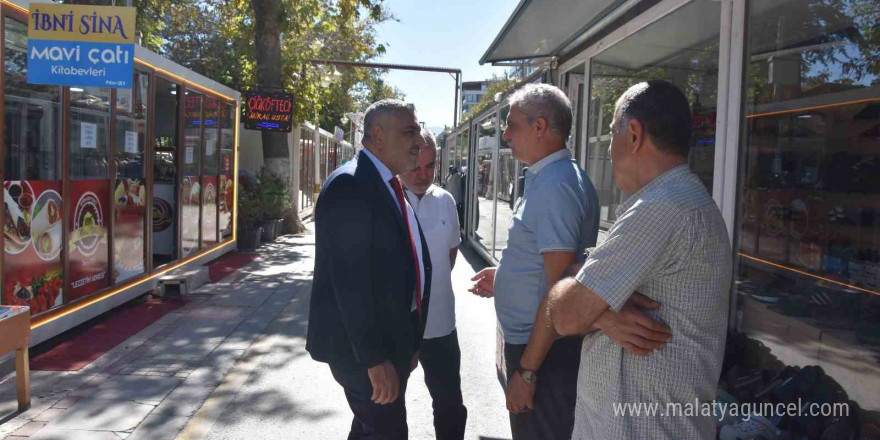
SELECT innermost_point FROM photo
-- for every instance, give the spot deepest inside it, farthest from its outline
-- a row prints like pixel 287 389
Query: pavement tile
pixel 102 415
pixel 29 429
pixel 10 426
pixel 160 426
pixel 49 414
pixel 66 402
pixel 57 434
pixel 142 389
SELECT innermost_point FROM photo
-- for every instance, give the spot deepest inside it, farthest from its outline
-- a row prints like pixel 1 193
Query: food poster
pixel 33 244
pixel 189 220
pixel 164 203
pixel 209 211
pixel 130 196
pixel 88 251
pixel 225 200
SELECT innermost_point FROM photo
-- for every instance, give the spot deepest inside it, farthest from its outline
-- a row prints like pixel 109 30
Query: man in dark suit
pixel 371 285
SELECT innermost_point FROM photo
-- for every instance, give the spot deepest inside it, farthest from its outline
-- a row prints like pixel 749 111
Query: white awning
pixel 543 28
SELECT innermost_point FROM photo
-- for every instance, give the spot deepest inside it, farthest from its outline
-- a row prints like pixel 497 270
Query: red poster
pixel 128 231
pixel 33 244
pixel 189 234
pixel 89 203
pixel 209 210
pixel 226 199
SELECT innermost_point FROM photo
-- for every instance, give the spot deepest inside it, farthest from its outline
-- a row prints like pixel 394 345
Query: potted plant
pixel 248 213
pixel 275 198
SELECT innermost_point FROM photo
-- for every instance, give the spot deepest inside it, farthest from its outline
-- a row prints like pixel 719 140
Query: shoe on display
pixel 800 385
pixel 777 380
pixel 757 427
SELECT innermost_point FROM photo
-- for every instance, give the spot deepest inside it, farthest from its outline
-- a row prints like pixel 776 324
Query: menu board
pixel 33 271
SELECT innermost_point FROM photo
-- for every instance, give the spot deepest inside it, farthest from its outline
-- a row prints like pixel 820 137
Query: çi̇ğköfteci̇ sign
pixel 81 45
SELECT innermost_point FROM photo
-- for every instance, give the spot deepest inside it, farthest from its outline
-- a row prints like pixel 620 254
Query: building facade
pixel 106 190
pixel 471 94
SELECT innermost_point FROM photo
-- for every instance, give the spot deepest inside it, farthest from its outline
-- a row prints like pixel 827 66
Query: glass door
pixel 165 187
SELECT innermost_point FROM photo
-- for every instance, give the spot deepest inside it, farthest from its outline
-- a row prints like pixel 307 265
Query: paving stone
pixel 159 427
pixel 74 434
pixel 253 298
pixel 29 429
pixel 66 402
pixel 142 389
pixel 102 415
pixel 49 414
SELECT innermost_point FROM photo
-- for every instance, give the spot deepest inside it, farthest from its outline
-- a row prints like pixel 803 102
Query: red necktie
pixel 398 190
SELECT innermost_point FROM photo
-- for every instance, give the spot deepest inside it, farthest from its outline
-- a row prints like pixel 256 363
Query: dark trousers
pixel 441 361
pixel 372 421
pixel 555 391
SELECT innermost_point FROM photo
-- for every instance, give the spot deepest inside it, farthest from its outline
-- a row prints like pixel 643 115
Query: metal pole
pixel 455 105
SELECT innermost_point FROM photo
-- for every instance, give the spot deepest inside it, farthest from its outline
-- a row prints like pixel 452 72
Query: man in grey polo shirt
pixel 554 222
pixel 669 243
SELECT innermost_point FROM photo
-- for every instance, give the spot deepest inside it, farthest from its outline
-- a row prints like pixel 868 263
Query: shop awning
pixel 543 28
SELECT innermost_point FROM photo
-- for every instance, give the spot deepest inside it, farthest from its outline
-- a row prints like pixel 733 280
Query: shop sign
pixel 81 45
pixel 268 111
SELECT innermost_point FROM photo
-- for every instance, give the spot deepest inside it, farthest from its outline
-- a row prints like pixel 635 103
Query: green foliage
pixel 216 38
pixel 249 209
pixel 273 196
pixel 500 85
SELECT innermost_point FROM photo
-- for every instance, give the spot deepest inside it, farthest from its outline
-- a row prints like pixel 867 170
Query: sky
pixel 440 33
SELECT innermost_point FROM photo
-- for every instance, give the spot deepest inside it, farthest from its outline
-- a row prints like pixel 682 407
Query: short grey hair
pixel 431 140
pixel 382 108
pixel 548 102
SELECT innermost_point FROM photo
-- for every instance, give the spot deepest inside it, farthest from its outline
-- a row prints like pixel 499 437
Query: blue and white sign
pixel 84 64
pixel 81 45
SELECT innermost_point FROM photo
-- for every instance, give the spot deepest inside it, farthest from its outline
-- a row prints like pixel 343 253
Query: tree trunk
pixel 268 15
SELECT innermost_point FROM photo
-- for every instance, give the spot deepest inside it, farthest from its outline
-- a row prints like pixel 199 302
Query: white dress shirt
pixel 439 220
pixel 386 176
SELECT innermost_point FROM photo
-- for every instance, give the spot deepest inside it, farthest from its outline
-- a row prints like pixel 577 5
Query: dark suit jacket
pixel 364 278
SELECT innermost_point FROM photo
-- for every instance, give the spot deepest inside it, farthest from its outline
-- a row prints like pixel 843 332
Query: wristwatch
pixel 528 376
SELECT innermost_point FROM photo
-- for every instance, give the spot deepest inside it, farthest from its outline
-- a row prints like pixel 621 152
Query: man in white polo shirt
pixel 440 354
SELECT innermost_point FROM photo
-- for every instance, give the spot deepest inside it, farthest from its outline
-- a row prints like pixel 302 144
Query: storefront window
pixel 89 206
pixel 32 271
pixel 808 225
pixel 484 184
pixel 209 171
pixel 225 191
pixel 130 192
pixel 660 51
pixel 508 191
pixel 307 167
pixel 574 91
pixel 191 190
pixel 164 212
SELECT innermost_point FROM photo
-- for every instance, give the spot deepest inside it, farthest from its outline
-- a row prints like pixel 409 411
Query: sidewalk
pixel 232 363
pixel 150 386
